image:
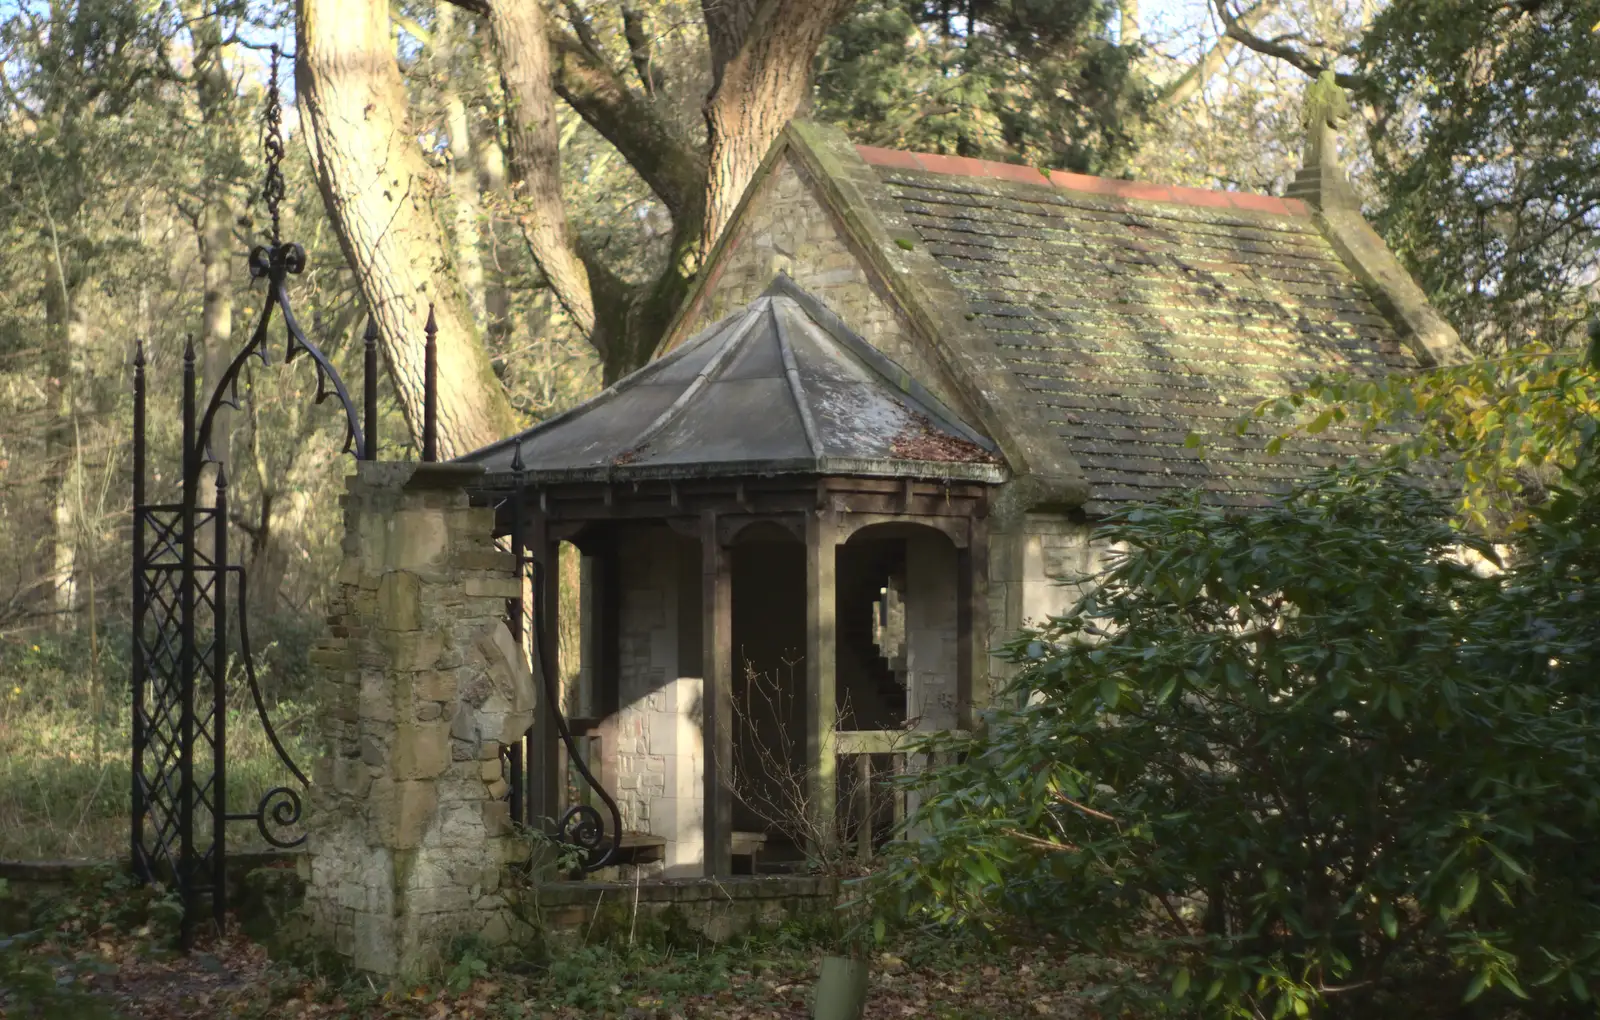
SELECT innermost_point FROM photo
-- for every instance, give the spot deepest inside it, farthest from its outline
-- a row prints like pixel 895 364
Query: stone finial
pixel 1327 108
pixel 1321 181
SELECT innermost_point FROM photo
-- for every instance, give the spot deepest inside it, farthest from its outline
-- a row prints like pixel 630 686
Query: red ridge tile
pixel 1139 191
pixel 897 158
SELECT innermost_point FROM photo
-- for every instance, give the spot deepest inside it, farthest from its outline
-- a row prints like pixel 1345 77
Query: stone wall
pixel 932 641
pixel 660 764
pixel 1036 566
pixel 420 685
pixel 787 229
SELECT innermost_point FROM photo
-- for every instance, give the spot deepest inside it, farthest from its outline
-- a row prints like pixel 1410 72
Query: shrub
pixel 1298 761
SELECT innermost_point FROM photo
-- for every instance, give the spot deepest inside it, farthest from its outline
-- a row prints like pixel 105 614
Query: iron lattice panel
pixel 178 720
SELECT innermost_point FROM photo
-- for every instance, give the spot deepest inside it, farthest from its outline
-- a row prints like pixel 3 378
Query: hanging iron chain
pixel 272 189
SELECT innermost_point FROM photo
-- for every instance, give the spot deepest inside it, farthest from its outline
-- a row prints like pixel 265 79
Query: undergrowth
pixel 66 744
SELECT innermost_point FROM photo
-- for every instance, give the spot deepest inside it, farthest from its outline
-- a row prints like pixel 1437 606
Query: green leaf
pixel 1580 988
pixel 1466 892
pixel 1109 692
pixel 1180 983
pixel 1475 987
pixel 1388 921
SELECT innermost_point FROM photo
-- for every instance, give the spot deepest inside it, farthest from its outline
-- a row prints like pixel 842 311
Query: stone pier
pixel 420 686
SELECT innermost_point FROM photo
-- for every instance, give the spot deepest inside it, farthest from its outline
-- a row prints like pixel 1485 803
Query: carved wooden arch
pixel 732 527
pixel 957 529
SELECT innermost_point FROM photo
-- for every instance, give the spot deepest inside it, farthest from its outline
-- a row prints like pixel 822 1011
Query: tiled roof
pixel 1137 314
pixel 779 387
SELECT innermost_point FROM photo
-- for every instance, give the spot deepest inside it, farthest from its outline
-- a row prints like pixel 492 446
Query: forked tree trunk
pixel 381 197
pixel 521 42
pixel 761 55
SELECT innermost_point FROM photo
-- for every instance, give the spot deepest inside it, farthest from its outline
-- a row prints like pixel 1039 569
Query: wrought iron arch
pixel 187 594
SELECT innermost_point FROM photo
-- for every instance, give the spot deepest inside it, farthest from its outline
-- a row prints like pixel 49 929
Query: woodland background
pixel 556 172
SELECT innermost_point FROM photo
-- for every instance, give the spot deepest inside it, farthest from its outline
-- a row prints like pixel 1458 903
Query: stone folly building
pixel 874 443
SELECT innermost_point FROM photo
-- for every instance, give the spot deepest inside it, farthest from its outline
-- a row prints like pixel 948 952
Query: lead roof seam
pixel 595 402
pixel 712 368
pixel 791 371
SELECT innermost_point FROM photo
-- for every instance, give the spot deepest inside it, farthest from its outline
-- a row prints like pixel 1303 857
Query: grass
pixel 66 758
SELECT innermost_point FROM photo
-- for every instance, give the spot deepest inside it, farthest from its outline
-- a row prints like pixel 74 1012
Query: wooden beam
pixel 544 750
pixel 972 625
pixel 821 704
pixel 717 699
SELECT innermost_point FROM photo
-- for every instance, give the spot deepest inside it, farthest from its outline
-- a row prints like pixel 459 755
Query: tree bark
pixel 761 55
pixel 381 198
pixel 490 160
pixel 522 46
pixel 467 220
pixel 761 62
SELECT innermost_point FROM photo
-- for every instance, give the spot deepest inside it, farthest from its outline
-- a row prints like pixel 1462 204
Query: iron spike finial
pixel 188 351
pixel 430 389
pixel 138 354
pixel 371 334
pixel 517 466
pixel 222 475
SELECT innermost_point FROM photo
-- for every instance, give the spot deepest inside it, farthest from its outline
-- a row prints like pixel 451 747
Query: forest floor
pixel 89 970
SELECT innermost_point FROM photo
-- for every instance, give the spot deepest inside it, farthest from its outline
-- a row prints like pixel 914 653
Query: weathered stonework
pixel 1037 569
pixel 421 685
pixel 932 640
pixel 786 229
pixel 660 764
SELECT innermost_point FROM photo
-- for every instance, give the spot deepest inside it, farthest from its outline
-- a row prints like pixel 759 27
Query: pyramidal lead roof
pixel 782 387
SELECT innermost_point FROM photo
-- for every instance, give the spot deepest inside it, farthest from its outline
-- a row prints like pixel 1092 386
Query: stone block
pixel 400 601
pixel 415 538
pixel 493 587
pixel 352 778
pixel 402 812
pixel 410 651
pixel 374 946
pixel 496 817
pixel 434 685
pixel 377 697
pixel 421 751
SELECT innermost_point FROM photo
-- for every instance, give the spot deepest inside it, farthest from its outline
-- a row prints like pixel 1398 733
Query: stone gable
pixel 785 228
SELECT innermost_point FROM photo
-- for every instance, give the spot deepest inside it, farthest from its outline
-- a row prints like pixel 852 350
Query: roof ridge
pixel 889 371
pixel 735 336
pixel 1109 187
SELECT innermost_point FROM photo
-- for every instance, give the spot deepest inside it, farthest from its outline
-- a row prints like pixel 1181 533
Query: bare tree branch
pixel 1210 63
pixel 673 170
pixel 1235 28
pixel 634 30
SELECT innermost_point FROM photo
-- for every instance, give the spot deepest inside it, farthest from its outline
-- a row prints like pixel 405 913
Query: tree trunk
pixel 761 71
pixel 522 46
pixel 467 224
pixel 68 329
pixel 490 160
pixel 380 196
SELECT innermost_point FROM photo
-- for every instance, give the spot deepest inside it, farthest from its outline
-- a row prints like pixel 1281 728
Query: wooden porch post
pixel 822 710
pixel 717 699
pixel 544 758
pixel 972 624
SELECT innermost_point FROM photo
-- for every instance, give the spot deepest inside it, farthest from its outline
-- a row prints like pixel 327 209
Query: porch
pixel 783 541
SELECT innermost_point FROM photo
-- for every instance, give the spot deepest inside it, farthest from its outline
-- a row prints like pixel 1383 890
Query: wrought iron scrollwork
pixel 182 612
pixel 283 805
pixel 581 825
